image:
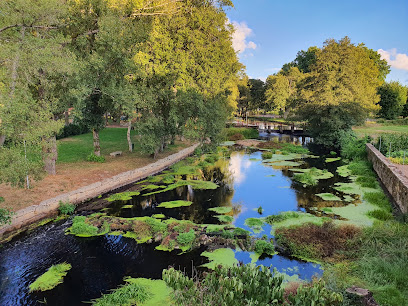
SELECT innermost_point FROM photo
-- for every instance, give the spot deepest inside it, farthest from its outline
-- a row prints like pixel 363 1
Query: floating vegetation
pixel 185 170
pixel 343 171
pixel 50 279
pixel 349 188
pixel 137 291
pixel 348 198
pixel 227 143
pixel 175 204
pixel 285 164
pixel 224 218
pixel 127 206
pixel 264 247
pixel 260 210
pixel 328 197
pixel 220 257
pixel 282 157
pixel 195 184
pixel 332 159
pixel 255 159
pixel 271 219
pixel 356 214
pixel 152 187
pixel 221 210
pixel 213 228
pixel 81 227
pixel 123 196
pixel 255 224
pixel 158 216
pixel 311 176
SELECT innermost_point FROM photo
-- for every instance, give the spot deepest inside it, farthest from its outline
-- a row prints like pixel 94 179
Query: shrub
pixel 264 247
pixel 351 147
pixel 66 208
pixel 186 238
pixel 72 129
pixel 94 158
pixel 5 215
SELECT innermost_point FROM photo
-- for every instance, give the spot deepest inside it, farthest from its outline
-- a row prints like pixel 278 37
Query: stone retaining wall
pixel 391 177
pixel 49 208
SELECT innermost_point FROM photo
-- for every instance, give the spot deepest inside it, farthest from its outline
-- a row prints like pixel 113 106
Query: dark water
pixel 100 263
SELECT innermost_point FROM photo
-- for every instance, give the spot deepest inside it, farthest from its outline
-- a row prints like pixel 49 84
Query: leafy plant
pixel 66 208
pixel 186 238
pixel 317 294
pixel 264 247
pixel 5 215
pixel 50 279
pixel 94 158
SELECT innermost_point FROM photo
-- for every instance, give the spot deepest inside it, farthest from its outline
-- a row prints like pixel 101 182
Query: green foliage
pixel 264 247
pixel 393 97
pixel 255 224
pixel 66 208
pixel 379 199
pixel 221 210
pixel 398 142
pixel 267 155
pixel 72 129
pixel 281 217
pixel 224 218
pixel 247 133
pixel 50 279
pixel 381 214
pixel 186 238
pixel 317 294
pixel 122 196
pixel 131 293
pixel 175 204
pixel 311 176
pixel 81 228
pixel 94 158
pixel 260 210
pixel 328 196
pixel 5 216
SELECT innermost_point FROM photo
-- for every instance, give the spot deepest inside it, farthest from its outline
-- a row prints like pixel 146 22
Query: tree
pixel 257 91
pixel 33 61
pixel 339 92
pixel 393 97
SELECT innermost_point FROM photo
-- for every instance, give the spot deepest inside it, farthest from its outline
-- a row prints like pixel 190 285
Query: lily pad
pixel 221 210
pixel 127 206
pixel 174 204
pixel 332 159
pixel 123 196
pixel 158 216
pixel 195 184
pixel 285 164
pixel 328 197
pixel 255 224
pixel 220 257
pixel 282 157
pixel 311 176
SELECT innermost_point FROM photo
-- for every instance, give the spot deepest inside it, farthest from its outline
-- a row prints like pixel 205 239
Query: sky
pixel 269 33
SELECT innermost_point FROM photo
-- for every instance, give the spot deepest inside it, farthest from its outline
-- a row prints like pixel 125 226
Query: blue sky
pixel 269 33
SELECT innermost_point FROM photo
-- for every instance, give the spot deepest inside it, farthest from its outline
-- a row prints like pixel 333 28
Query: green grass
pixel 77 148
pixel 50 279
pixel 376 129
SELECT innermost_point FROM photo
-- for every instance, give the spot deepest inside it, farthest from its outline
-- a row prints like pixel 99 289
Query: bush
pixel 264 247
pixel 94 158
pixel 351 147
pixel 5 215
pixel 72 129
pixel 186 238
pixel 66 208
pixel 247 133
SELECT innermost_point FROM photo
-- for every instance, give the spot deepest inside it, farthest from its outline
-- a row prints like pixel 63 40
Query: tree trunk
pixel 50 154
pixel 128 136
pixel 96 144
pixel 66 116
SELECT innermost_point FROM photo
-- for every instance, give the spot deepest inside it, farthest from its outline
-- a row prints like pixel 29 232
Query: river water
pixel 100 263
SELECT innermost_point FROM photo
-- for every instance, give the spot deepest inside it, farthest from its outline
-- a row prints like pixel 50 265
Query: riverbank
pixel 47 208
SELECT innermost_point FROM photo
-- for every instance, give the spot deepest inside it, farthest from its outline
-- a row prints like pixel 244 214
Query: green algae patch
pixel 332 159
pixel 224 218
pixel 343 171
pixel 51 279
pixel 355 214
pixel 127 206
pixel 285 163
pixel 123 196
pixel 158 216
pixel 311 176
pixel 195 184
pixel 328 197
pixel 282 157
pixel 255 159
pixel 220 257
pixel 221 210
pixel 175 204
pixel 255 224
pixel 137 291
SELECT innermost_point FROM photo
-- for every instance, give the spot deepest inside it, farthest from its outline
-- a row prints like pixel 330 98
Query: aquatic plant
pixel 343 171
pixel 175 204
pixel 123 196
pixel 224 218
pixel 81 228
pixel 137 291
pixel 332 159
pixel 50 279
pixel 186 238
pixel 158 216
pixel 260 210
pixel 238 285
pixel 285 163
pixel 255 224
pixel 271 219
pixel 221 210
pixel 267 155
pixel 311 176
pixel 328 197
pixel 282 157
pixel 264 247
pixel 220 257
pixel 195 184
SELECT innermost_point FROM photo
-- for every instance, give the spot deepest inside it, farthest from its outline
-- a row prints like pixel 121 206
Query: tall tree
pixel 257 90
pixel 393 97
pixel 339 92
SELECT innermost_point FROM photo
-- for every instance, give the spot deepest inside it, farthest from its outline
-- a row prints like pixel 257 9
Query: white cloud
pixel 396 60
pixel 239 38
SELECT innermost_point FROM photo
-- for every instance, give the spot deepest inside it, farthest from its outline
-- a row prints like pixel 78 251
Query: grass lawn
pixel 376 129
pixel 77 148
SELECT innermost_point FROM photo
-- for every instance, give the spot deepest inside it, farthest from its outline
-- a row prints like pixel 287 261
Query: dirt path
pixel 71 176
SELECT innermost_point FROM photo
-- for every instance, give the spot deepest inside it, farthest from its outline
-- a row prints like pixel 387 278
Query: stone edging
pixel 392 178
pixel 29 215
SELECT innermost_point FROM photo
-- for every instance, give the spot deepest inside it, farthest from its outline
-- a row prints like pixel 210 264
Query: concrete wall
pixel 391 177
pixel 49 208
